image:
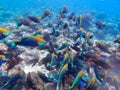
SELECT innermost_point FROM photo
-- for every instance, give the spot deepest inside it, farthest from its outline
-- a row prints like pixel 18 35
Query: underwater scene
pixel 59 44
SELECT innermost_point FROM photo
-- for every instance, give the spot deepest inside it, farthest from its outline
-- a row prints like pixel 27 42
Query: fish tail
pixel 17 26
pixel 58 87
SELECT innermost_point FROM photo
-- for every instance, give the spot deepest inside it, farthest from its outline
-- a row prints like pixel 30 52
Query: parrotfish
pixel 19 75
pixel 30 82
pixel 3 59
pixel 43 77
pixel 91 82
pixel 103 47
pixel 64 10
pixel 31 41
pixel 62 73
pixel 100 24
pixel 117 40
pixel 76 80
pixel 72 58
pixel 80 17
pixel 34 19
pixel 63 46
pixel 53 59
pixel 64 60
pixel 23 22
pixel 4 33
pixel 81 33
pixel 45 14
pixel 103 64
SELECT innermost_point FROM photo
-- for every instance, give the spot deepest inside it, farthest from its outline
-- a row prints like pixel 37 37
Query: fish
pixel 30 82
pixel 65 25
pixel 81 33
pixel 32 41
pixel 117 40
pixel 43 77
pixel 80 17
pixel 33 61
pixel 14 79
pixel 41 86
pixel 53 59
pixel 38 32
pixel 116 82
pixel 75 36
pixel 91 82
pixel 61 75
pixel 63 46
pixel 34 19
pixel 71 16
pixel 23 22
pixel 4 33
pixel 3 61
pixel 98 75
pixel 103 64
pixel 100 24
pixel 76 80
pixel 2 56
pixel 87 36
pixel 39 39
pixel 103 47
pixel 26 42
pixel 72 56
pixel 45 60
pixel 115 78
pixel 45 14
pixel 64 10
pixel 12 62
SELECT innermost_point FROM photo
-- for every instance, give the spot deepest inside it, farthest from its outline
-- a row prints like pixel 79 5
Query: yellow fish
pixel 65 67
pixel 2 56
pixel 53 55
pixel 38 38
pixel 91 82
pixel 99 43
pixel 66 55
pixel 3 30
pixel 81 29
pixel 115 77
pixel 80 19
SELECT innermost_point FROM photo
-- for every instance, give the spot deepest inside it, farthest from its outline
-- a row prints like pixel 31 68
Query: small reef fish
pixel 30 41
pixel 91 82
pixel 63 46
pixel 34 19
pixel 117 40
pixel 3 59
pixel 73 61
pixel 4 33
pixel 45 14
pixel 43 77
pixel 30 82
pixel 62 72
pixel 23 22
pixel 103 47
pixel 100 24
pixel 14 79
pixel 76 80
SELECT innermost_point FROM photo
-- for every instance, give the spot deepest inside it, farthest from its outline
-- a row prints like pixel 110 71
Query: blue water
pixel 109 7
